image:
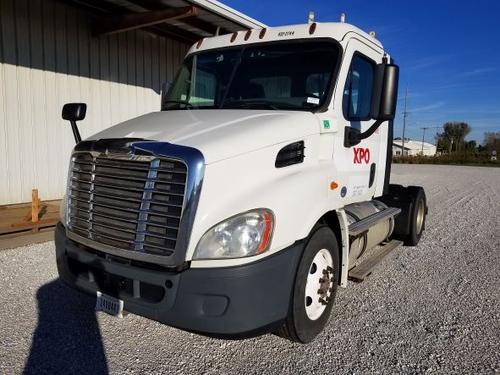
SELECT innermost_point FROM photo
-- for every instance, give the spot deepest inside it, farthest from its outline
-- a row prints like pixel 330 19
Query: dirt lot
pixel 433 308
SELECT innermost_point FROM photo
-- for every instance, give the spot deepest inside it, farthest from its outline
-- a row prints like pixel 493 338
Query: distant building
pixel 412 148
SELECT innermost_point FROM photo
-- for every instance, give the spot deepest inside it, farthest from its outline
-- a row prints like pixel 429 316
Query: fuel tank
pixel 375 235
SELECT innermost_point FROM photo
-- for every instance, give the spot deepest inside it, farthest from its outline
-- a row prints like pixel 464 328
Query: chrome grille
pixel 131 203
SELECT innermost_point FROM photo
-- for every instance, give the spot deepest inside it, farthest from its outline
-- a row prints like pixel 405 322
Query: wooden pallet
pixel 13 240
pixel 28 218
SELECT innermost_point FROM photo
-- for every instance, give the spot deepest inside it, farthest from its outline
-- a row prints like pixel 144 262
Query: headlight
pixel 242 235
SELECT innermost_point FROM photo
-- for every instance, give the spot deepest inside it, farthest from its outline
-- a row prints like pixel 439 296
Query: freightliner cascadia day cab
pixel 260 187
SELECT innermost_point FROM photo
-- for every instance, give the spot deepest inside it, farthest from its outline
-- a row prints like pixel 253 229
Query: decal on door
pixel 357 186
pixel 361 155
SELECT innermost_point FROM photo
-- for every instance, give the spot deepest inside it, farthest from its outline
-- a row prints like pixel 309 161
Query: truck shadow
pixel 67 338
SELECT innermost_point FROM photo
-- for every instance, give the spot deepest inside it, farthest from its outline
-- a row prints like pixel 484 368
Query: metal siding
pixel 9 88
pixel 4 166
pixel 49 57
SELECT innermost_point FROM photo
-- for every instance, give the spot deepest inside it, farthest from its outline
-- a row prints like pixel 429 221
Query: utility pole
pixel 423 138
pixel 405 115
pixel 423 135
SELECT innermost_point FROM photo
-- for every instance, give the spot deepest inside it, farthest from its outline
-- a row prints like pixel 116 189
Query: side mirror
pixel 74 112
pixel 385 92
pixel 165 89
pixel 383 105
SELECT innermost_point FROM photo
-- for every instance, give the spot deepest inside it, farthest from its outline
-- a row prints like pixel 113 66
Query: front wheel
pixel 315 288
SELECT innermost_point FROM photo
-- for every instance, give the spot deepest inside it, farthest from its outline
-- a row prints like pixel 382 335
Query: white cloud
pixel 427 107
pixel 477 72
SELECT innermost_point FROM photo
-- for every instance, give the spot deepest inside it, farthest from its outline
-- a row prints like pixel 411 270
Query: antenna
pixel 310 17
pixel 342 18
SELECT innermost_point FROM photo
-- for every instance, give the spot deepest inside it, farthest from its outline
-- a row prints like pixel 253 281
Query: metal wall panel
pixel 49 57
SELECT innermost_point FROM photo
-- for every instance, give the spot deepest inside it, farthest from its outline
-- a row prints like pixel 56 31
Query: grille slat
pixel 114 224
pixel 133 205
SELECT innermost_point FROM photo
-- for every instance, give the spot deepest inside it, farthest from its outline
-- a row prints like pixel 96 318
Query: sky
pixel 448 52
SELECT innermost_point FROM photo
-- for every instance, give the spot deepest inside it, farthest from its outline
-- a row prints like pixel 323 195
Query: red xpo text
pixel 361 155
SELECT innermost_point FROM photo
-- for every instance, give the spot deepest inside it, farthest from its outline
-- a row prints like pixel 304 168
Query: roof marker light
pixel 247 35
pixel 233 37
pixel 312 28
pixel 262 33
pixel 310 17
pixel 198 45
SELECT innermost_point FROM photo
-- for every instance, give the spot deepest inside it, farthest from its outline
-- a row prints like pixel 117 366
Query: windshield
pixel 285 75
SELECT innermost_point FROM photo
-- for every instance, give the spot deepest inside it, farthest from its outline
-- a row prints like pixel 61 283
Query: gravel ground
pixel 433 308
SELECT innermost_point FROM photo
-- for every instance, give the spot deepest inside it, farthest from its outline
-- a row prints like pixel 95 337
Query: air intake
pixel 290 154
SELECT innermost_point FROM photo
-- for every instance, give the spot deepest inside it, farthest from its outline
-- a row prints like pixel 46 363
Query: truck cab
pixel 241 206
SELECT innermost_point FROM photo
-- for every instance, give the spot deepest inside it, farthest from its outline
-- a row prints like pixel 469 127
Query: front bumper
pixel 240 301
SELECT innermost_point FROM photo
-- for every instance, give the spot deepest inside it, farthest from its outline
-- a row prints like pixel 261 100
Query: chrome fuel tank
pixel 375 235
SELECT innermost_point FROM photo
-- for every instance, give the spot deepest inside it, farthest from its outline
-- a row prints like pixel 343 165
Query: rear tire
pixel 315 288
pixel 417 215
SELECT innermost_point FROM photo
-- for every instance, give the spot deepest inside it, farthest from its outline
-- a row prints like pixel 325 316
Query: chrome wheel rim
pixel 420 216
pixel 319 284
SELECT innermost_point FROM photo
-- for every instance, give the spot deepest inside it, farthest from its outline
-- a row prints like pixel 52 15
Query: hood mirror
pixel 74 112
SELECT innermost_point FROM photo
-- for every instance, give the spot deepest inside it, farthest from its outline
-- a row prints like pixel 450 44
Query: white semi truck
pixel 259 188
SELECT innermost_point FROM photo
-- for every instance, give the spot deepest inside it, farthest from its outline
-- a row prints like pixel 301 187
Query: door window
pixel 358 89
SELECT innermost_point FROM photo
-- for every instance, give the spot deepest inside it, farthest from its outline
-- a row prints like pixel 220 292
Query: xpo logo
pixel 361 155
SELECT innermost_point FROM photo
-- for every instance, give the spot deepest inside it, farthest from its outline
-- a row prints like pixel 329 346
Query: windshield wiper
pixel 185 102
pixel 248 104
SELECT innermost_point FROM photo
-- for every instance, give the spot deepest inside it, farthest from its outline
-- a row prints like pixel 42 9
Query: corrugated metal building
pixel 412 148
pixel 112 54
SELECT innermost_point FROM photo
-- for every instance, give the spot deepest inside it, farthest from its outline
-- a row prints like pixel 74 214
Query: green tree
pixel 471 146
pixel 442 144
pixel 453 136
pixel 492 141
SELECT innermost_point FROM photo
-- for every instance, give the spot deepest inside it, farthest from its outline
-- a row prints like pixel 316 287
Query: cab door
pixel 357 166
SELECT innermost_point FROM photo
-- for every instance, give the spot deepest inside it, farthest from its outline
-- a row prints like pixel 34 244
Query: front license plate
pixel 110 305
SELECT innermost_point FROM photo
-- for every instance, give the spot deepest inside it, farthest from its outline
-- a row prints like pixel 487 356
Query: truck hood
pixel 218 134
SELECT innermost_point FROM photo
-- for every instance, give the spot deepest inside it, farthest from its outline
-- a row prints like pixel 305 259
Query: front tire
pixel 315 288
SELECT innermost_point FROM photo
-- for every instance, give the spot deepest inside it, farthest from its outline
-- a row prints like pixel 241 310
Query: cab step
pixel 359 227
pixel 366 266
